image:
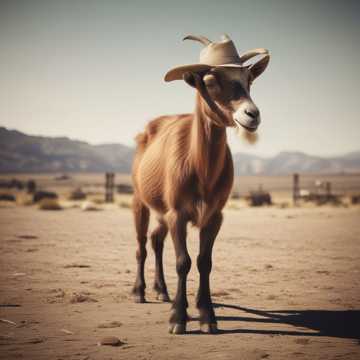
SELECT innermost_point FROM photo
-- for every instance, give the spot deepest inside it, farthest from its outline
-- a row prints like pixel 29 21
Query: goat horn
pixel 251 53
pixel 205 41
pixel 225 37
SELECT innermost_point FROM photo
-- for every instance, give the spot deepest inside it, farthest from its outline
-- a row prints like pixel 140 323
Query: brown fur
pixel 183 163
pixel 183 171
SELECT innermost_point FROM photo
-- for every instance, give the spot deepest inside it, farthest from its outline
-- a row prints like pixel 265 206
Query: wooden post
pixel 296 188
pixel 328 190
pixel 31 187
pixel 109 187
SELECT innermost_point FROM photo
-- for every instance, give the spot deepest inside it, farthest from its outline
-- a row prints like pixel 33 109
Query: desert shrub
pixel 40 195
pixel 77 194
pixel 125 204
pixel 24 199
pixel 98 200
pixel 233 205
pixel 49 204
pixel 7 197
pixel 235 195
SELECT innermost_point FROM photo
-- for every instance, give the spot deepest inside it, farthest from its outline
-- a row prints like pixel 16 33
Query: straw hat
pixel 215 54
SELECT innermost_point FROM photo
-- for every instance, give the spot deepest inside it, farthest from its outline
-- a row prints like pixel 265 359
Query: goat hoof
pixel 139 299
pixel 177 329
pixel 163 297
pixel 208 328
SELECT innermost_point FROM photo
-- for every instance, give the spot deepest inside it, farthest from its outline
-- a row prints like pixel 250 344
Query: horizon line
pixel 327 156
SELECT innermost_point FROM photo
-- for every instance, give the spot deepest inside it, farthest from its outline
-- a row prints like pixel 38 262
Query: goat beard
pixel 248 137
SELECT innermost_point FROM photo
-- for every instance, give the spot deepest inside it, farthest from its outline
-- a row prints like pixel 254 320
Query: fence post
pixel 328 190
pixel 31 187
pixel 296 188
pixel 109 187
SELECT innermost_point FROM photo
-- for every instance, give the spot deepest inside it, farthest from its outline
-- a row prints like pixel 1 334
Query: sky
pixel 93 70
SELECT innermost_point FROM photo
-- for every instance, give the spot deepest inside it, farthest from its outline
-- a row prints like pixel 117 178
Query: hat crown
pixel 220 53
pixel 214 54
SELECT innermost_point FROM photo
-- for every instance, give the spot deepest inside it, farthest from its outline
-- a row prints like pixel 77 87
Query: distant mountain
pixel 289 162
pixel 24 153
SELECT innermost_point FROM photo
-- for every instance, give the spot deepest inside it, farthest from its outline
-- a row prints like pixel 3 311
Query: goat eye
pixel 237 90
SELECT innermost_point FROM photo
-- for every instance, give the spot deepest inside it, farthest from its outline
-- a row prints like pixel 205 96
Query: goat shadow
pixel 330 323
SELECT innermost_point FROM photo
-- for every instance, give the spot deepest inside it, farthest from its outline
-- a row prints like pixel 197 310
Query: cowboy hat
pixel 215 54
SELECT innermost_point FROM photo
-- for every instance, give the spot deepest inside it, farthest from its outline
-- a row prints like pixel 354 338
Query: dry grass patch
pixel 49 204
pixel 24 199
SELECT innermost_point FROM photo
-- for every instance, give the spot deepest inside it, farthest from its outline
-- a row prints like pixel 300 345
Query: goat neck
pixel 208 146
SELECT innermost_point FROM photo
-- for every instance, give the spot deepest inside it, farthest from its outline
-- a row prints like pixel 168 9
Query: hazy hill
pixel 287 162
pixel 24 153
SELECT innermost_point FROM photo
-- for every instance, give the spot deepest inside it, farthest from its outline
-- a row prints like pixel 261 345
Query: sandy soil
pixel 285 283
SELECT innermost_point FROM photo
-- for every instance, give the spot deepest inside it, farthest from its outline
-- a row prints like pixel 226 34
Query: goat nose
pixel 253 113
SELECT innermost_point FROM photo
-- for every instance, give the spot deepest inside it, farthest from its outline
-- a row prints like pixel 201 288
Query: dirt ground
pixel 285 283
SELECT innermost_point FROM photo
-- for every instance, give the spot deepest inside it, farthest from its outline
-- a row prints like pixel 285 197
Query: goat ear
pixel 189 78
pixel 259 67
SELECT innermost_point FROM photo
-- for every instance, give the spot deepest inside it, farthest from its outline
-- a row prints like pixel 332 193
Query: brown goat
pixel 183 171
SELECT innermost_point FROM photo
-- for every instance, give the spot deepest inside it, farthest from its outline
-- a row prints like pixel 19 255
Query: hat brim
pixel 178 72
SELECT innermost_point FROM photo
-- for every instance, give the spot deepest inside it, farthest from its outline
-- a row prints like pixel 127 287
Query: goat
pixel 183 171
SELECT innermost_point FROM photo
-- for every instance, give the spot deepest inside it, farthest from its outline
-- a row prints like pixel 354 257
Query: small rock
pixel 81 297
pixel 111 341
pixel 110 325
pixel 35 340
pixel 28 237
pixel 18 274
pixel 8 321
pixel 76 265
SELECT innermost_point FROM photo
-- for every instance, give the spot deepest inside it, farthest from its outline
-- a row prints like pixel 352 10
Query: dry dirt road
pixel 285 283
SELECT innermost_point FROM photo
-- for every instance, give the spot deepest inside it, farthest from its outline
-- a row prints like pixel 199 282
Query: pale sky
pixel 93 70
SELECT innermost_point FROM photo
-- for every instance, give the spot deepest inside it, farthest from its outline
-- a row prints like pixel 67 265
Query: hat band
pixel 222 61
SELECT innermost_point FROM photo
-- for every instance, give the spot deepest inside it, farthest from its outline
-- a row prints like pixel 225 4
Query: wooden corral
pixel 321 192
pixel 124 189
pixel 321 199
